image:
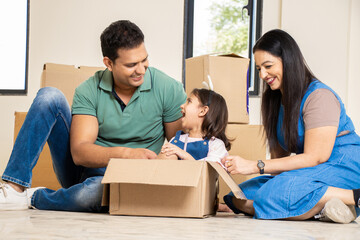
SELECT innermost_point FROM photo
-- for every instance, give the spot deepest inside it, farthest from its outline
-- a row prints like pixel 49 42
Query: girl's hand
pixel 170 149
pixel 164 157
pixel 239 165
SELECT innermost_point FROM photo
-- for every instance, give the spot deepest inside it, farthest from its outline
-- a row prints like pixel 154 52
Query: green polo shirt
pixel 140 125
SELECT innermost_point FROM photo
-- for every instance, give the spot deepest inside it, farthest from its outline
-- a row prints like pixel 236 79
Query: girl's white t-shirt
pixel 217 149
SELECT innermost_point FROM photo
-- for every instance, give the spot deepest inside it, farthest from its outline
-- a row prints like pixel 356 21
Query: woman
pixel 300 115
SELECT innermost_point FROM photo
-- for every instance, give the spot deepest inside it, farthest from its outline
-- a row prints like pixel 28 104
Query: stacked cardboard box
pixel 228 76
pixel 66 78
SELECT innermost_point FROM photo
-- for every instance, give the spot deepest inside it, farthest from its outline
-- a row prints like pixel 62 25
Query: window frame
pixel 256 33
pixel 25 90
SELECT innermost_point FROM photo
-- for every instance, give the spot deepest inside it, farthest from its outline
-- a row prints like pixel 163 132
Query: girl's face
pixel 193 113
pixel 270 69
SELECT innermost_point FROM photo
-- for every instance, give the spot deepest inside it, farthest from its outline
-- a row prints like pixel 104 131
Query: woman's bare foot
pixel 223 208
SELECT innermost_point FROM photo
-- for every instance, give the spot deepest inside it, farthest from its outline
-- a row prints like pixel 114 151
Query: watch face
pixel 261 164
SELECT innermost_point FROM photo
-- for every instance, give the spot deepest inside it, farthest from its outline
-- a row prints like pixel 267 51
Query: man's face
pixel 129 68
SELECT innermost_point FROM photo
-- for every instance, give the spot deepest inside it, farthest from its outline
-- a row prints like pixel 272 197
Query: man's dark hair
pixel 121 34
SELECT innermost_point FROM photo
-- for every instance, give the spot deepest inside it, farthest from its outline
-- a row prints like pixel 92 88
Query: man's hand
pixel 140 153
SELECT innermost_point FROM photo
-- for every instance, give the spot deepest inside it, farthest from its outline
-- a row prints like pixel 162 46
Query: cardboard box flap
pixel 155 172
pixel 70 68
pixel 91 69
pixel 58 67
pixel 238 193
pixel 232 55
pixel 221 54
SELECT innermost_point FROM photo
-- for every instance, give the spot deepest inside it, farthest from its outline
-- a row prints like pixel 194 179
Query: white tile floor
pixel 36 224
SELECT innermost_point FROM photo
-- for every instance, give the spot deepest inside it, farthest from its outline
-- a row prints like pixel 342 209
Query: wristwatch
pixel 261 166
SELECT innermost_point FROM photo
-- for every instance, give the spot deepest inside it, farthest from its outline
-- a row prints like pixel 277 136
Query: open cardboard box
pixel 167 188
pixel 228 74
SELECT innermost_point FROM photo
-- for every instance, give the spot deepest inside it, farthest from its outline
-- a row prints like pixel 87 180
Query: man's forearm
pixel 95 156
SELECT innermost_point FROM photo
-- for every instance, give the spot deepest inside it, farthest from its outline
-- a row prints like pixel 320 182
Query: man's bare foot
pixel 16 187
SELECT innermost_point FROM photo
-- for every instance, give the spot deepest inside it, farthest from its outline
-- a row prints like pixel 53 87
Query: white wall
pixel 68 32
pixel 328 33
pixel 353 86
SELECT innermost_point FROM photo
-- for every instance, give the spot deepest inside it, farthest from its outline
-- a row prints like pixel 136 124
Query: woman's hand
pixel 239 165
pixel 170 149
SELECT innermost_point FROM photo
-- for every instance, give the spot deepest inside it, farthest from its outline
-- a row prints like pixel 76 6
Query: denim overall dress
pixel 296 192
pixel 197 150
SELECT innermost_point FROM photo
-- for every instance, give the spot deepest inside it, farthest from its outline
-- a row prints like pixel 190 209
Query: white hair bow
pixel 208 85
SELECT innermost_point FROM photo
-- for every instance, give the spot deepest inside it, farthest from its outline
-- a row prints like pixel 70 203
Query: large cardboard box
pixel 66 78
pixel 168 188
pixel 249 143
pixel 228 74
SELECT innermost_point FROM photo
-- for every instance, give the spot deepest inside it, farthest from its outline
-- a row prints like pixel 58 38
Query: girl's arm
pixel 170 149
pixel 162 155
pixel 318 146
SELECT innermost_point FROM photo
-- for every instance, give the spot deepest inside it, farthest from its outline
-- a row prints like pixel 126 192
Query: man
pixel 124 111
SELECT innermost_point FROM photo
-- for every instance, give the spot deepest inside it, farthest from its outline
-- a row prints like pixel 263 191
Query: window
pixel 213 26
pixel 14 26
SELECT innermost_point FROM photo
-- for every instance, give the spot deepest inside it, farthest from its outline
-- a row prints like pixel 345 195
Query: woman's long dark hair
pixel 216 119
pixel 296 78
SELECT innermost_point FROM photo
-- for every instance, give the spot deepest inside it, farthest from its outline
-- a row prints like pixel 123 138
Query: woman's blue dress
pixel 296 192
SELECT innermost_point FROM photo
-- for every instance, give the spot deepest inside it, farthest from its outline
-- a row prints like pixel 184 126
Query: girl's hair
pixel 216 119
pixel 296 78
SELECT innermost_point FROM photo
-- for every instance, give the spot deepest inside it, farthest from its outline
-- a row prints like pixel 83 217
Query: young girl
pixel 205 117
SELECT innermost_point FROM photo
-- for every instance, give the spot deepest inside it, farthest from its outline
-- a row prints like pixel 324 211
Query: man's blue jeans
pixel 49 119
